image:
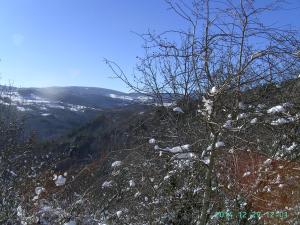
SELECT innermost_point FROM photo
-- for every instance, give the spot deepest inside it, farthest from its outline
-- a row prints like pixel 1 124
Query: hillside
pixel 54 111
pixel 122 164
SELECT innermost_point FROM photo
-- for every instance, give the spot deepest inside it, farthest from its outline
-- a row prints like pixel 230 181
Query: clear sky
pixel 63 42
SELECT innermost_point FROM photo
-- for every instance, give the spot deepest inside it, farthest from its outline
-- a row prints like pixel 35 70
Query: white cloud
pixel 18 39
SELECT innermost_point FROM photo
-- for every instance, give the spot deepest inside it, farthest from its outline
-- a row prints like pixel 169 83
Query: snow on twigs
pixel 208 106
pixel 116 164
pixel 176 149
pixel 228 124
pixel 219 144
pixel 178 109
pixel 253 121
pixel 60 181
pixel 107 184
pixel 71 222
pixel 213 90
pixel 281 121
pixel 276 109
pixel 152 141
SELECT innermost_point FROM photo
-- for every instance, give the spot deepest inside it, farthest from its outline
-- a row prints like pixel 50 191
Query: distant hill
pixel 53 111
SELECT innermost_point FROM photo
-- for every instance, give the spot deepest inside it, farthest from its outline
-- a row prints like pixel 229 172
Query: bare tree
pixel 227 51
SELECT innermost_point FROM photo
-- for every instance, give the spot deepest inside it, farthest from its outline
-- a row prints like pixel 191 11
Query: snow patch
pixel 152 141
pixel 254 120
pixel 290 148
pixel 208 106
pixel 116 164
pixel 241 116
pixel 71 222
pixel 178 109
pixel 219 144
pixel 179 149
pixel 39 190
pixel 213 90
pixel 188 155
pixel 280 121
pixel 119 213
pixel 107 184
pixel 131 183
pixel 276 109
pixel 137 194
pixel 246 174
pixel 123 97
pixel 228 124
pixel 60 181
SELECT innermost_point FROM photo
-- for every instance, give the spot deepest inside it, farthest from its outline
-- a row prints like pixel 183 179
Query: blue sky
pixel 63 42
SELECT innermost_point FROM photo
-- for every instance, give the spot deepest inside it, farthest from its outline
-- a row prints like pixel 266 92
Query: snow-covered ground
pixel 26 103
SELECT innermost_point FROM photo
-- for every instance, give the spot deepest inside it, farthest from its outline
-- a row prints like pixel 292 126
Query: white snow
pixel 257 54
pixel 137 194
pixel 213 90
pixel 166 177
pixel 276 109
pixel 39 190
pixel 123 97
pixel 188 155
pixel 267 162
pixel 219 144
pixel 60 181
pixel 241 116
pixel 13 173
pixel 206 161
pixel 152 141
pixel 22 103
pixel 178 109
pixel 278 179
pixel 290 148
pixel 261 106
pixel 144 98
pixel 119 213
pixel 246 174
pixel 71 222
pixel 242 105
pixel 179 149
pixel 280 121
pixel 116 164
pixel 22 109
pixel 267 189
pixel 208 105
pixel 20 211
pixel 254 120
pixel 287 104
pixel 227 124
pixel 131 183
pixel 106 184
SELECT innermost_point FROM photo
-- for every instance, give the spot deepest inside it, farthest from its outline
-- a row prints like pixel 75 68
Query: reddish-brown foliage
pixel 268 185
